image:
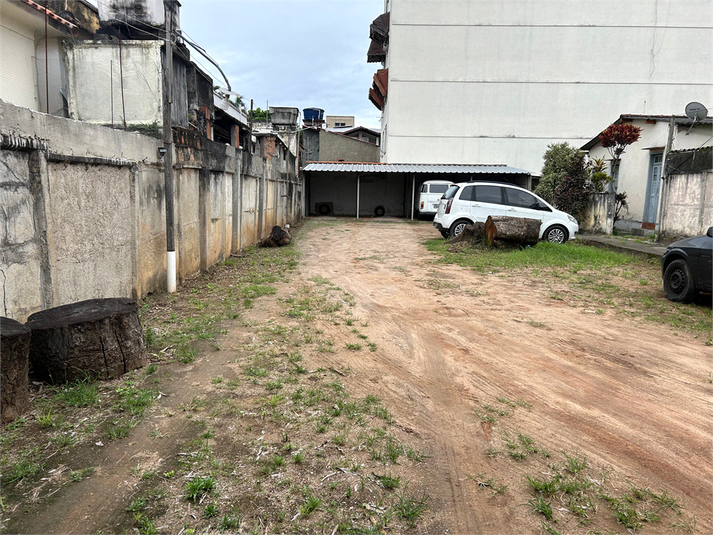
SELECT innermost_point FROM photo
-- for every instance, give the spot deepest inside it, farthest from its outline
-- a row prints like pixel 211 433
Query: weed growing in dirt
pixel 82 393
pixel 581 494
pixel 198 487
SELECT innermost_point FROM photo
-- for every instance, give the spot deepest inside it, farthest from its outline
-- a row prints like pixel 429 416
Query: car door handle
pixel 511 210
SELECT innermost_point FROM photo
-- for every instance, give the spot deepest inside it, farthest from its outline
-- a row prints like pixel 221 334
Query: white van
pixel 431 193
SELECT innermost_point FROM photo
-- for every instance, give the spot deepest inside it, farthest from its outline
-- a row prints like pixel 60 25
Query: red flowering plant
pixel 619 136
pixel 615 139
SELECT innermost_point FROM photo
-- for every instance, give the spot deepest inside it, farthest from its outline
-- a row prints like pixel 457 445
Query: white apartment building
pixel 497 81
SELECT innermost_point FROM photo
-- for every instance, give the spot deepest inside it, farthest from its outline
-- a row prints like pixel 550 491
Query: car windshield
pixel 451 192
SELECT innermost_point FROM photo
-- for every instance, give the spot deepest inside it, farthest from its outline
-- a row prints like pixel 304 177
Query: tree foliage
pixel 568 178
pixel 260 115
pixel 619 136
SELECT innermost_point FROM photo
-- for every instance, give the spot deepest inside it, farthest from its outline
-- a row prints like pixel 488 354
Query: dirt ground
pixel 633 399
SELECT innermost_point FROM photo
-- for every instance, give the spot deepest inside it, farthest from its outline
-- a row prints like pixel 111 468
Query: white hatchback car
pixel 469 202
pixel 430 195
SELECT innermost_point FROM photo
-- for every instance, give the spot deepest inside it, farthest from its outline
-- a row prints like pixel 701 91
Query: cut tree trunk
pixel 472 234
pixel 502 230
pixel 14 384
pixel 520 230
pixel 98 339
pixel 277 238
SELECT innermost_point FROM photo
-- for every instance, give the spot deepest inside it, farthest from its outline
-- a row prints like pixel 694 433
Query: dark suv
pixel 687 267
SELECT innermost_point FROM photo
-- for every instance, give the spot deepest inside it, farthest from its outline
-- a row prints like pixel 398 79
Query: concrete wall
pixel 94 82
pixel 687 206
pixel 493 81
pixel 17 69
pixel 82 209
pixel 599 215
pixel 335 147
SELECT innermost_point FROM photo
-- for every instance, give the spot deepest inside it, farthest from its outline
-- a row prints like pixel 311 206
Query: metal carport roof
pixel 422 168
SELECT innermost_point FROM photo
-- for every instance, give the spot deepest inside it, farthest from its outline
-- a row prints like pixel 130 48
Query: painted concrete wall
pixel 18 72
pixel 82 212
pixel 492 81
pixel 688 210
pixel 634 165
pixel 335 147
pixel 94 82
pixel 599 215
pixel 90 230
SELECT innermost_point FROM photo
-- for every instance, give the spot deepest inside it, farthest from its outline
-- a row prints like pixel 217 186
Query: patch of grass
pixel 47 418
pixel 575 464
pixel 198 487
pixel 389 482
pixel 211 510
pixel 410 508
pixel 133 400
pixel 540 505
pixel 186 354
pixel 118 429
pixel 22 469
pixel 79 394
pixel 230 523
pixel 78 475
pixel 310 505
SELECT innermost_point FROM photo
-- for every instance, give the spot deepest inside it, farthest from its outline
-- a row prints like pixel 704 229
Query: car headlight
pixel 572 219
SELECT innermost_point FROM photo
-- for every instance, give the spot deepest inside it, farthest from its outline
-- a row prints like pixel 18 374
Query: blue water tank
pixel 313 114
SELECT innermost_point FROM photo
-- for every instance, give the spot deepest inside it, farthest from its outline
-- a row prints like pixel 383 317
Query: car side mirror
pixel 710 232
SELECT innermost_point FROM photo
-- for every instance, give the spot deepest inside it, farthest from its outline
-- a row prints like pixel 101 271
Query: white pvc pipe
pixel 171 271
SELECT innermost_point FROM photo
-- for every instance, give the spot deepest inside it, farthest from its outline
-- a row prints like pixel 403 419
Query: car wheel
pixel 379 211
pixel 678 282
pixel 556 234
pixel 445 234
pixel 457 227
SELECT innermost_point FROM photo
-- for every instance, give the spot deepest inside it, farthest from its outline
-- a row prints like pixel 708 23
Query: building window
pixel 340 124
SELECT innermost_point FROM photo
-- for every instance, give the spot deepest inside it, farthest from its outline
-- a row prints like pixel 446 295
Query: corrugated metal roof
pixel 459 169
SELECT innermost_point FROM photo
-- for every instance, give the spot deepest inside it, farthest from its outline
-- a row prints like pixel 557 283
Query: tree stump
pixel 14 384
pixel 472 234
pixel 277 238
pixel 502 230
pixel 98 338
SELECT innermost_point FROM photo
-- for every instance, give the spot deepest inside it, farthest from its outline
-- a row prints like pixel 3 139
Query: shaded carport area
pixel 375 189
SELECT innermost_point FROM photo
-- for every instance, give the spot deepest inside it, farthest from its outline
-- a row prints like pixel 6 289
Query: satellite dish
pixel 696 111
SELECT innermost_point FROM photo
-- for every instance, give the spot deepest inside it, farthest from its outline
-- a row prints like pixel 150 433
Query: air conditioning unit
pixel 324 208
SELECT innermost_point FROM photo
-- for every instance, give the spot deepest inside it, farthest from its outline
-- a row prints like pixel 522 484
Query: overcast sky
pixel 301 53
